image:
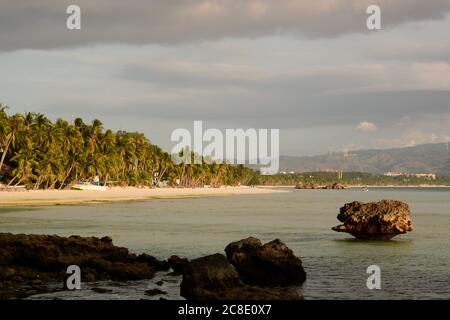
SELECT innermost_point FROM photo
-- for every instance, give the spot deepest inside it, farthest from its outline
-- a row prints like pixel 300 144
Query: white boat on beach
pixel 89 187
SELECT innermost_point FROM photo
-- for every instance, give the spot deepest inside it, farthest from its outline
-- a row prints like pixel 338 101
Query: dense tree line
pixel 39 153
pixel 348 179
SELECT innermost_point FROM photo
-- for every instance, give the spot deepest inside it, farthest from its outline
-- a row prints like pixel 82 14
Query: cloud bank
pixel 40 24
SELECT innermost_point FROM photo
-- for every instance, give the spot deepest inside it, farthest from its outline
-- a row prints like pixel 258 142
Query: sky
pixel 309 68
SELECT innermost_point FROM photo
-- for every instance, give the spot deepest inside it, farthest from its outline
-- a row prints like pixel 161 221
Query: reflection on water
pixel 413 266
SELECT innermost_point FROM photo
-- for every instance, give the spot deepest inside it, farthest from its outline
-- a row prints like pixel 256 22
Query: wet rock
pixel 154 292
pixel 333 186
pixel 301 185
pixel 178 264
pixel 153 262
pixel 269 265
pixel 375 220
pixel 214 278
pixel 101 290
pixel 5 257
pixel 25 258
pixel 336 186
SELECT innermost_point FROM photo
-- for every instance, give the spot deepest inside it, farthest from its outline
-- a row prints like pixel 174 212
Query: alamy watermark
pixel 73 281
pixel 374 280
pixel 259 147
pixel 373 22
pixel 73 21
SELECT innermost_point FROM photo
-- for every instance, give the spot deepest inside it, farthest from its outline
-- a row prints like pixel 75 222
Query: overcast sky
pixel 309 68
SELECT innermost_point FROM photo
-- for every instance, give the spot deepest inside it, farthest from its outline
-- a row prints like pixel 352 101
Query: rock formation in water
pixel 269 265
pixel 29 262
pixel 214 278
pixel 177 264
pixel 376 220
pixel 334 186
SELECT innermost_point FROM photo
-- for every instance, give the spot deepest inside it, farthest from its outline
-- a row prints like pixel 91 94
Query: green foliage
pixel 39 153
pixel 349 179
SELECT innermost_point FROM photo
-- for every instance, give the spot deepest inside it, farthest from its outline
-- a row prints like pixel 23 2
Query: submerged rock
pixel 375 220
pixel 27 258
pixel 101 290
pixel 154 292
pixel 214 278
pixel 269 265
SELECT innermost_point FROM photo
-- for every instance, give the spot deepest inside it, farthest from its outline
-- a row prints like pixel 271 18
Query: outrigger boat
pixel 90 186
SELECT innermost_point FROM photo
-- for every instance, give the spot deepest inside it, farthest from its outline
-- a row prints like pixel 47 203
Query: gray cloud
pixel 341 95
pixel 40 24
pixel 424 53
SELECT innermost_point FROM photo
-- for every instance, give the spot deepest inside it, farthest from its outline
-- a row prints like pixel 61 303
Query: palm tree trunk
pixel 4 153
pixel 18 182
pixel 67 175
pixel 38 183
pixel 12 180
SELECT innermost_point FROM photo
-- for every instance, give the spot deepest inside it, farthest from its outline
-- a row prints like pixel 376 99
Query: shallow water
pixel 413 266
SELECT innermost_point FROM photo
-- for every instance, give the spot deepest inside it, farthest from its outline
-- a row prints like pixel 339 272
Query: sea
pixel 412 266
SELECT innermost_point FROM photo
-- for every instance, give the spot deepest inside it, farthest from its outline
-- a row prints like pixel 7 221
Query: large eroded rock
pixel 375 220
pixel 214 278
pixel 269 265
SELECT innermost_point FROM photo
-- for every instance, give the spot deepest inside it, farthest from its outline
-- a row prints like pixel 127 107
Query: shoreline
pixel 369 186
pixel 117 194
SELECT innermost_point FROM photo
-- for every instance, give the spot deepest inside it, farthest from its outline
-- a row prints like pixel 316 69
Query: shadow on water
pixel 4 210
pixel 380 243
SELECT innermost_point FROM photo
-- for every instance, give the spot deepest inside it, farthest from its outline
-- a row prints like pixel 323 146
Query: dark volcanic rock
pixel 334 186
pixel 154 292
pixel 27 258
pixel 101 290
pixel 272 264
pixel 305 186
pixel 375 220
pixel 214 278
pixel 150 260
pixel 337 186
pixel 178 264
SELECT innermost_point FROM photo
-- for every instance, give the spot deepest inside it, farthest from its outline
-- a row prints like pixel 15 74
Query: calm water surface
pixel 413 266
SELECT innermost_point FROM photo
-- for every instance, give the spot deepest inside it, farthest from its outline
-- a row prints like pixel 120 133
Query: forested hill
pixel 426 158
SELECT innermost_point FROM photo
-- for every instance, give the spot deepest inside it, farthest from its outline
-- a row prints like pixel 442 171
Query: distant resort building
pixel 430 176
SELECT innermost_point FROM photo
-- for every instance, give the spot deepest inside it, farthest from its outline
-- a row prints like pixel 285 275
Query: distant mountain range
pixel 426 158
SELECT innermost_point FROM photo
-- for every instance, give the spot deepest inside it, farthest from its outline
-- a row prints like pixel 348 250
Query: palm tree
pixel 44 154
pixel 12 129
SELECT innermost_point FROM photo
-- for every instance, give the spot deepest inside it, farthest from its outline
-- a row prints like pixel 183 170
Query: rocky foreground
pixel 252 272
pixel 375 220
pixel 30 263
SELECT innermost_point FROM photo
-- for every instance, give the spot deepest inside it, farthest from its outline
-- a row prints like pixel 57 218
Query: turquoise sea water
pixel 413 266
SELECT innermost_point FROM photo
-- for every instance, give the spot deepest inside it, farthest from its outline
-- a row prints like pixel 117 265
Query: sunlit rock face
pixel 375 220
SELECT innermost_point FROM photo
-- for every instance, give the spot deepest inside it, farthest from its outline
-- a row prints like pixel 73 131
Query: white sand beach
pixel 60 197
